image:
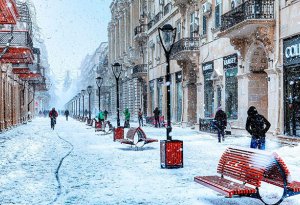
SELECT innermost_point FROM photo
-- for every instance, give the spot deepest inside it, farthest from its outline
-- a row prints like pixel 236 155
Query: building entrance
pixel 292 106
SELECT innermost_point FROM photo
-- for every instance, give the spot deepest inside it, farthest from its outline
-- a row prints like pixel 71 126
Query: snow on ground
pixel 96 170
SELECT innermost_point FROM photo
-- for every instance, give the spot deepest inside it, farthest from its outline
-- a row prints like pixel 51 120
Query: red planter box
pixel 118 133
pixel 171 154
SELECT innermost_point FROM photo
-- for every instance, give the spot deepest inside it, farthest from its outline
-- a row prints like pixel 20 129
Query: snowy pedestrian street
pixel 75 165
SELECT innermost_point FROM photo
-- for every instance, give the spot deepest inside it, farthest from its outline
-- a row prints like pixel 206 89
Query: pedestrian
pixel 257 125
pixel 127 118
pixel 220 123
pixel 105 114
pixel 67 114
pixel 100 117
pixel 86 112
pixel 140 117
pixel 156 113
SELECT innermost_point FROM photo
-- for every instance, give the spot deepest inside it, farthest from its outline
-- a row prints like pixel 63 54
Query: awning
pixel 9 12
pixel 17 55
pixel 20 70
pixel 30 76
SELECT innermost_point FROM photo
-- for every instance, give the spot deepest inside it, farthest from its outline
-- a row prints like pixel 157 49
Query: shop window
pixel 160 93
pixel 151 87
pixel 231 93
pixel 219 94
pixel 208 90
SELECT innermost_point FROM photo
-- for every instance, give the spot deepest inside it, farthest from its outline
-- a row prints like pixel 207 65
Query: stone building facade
pixel 230 54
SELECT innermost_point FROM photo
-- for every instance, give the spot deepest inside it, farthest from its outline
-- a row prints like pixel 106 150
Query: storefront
pixel 230 65
pixel 291 63
pixel 208 89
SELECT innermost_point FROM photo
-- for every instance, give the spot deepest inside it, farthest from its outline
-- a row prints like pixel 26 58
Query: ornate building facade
pixel 230 54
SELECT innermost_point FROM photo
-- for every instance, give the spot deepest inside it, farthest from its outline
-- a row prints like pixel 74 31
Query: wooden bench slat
pixel 224 186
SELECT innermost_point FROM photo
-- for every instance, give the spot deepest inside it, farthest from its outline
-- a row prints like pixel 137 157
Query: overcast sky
pixel 71 29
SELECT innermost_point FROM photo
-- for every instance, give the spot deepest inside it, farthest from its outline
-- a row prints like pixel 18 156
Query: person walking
pixel 156 113
pixel 140 117
pixel 220 123
pixel 100 116
pixel 67 114
pixel 257 125
pixel 127 118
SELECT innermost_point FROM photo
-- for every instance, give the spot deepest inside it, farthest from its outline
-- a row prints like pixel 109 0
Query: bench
pixel 249 168
pixel 136 137
pixel 105 127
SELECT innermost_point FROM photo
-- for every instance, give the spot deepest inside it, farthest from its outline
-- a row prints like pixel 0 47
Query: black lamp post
pixel 117 70
pixel 89 91
pixel 167 36
pixel 82 94
pixel 99 81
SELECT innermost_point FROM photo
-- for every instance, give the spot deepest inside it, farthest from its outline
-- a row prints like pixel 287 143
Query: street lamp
pixel 167 36
pixel 117 70
pixel 82 93
pixel 99 81
pixel 89 91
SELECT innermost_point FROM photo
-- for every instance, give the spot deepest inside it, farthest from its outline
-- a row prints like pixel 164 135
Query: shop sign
pixel 230 61
pixel 291 51
pixel 208 67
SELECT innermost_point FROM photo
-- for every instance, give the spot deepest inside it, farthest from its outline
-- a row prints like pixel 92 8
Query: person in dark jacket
pixel 156 113
pixel 257 125
pixel 220 123
pixel 67 114
pixel 105 114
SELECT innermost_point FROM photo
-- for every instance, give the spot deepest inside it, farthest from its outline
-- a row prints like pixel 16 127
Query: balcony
pixel 9 12
pixel 185 48
pixel 16 46
pixel 139 70
pixel 247 17
pixel 155 20
pixel 140 32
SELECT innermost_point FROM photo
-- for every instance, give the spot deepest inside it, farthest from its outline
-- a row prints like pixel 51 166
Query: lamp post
pixel 82 94
pixel 117 70
pixel 89 91
pixel 99 81
pixel 167 36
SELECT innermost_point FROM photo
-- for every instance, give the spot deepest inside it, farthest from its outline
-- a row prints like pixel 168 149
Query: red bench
pixel 136 137
pixel 250 167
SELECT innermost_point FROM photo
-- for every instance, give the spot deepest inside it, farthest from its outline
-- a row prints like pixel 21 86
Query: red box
pixel 171 154
pixel 118 133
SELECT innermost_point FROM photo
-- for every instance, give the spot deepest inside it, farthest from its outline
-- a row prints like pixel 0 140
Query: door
pixel 293 107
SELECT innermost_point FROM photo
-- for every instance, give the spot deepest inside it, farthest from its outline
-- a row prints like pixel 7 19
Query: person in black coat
pixel 257 125
pixel 156 113
pixel 220 123
pixel 67 114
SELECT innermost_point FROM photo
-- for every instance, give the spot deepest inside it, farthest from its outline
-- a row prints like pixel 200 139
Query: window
pixel 160 93
pixel 204 25
pixel 192 24
pixel 178 28
pixel 179 96
pixel 218 13
pixel 231 93
pixel 151 86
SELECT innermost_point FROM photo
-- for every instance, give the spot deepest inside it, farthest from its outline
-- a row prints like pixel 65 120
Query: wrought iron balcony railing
pixel 186 44
pixel 142 68
pixel 249 10
pixel 140 29
pixel 20 39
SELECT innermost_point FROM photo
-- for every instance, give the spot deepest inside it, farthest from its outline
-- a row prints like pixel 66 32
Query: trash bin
pixel 171 154
pixel 118 133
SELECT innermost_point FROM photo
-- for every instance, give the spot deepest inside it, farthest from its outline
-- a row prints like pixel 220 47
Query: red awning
pixel 30 76
pixel 17 55
pixel 20 70
pixel 9 12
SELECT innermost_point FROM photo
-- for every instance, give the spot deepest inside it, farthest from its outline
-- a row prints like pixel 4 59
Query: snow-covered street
pixel 75 165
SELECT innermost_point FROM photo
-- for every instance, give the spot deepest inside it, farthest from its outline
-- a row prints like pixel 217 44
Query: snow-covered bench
pixel 136 137
pixel 249 168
